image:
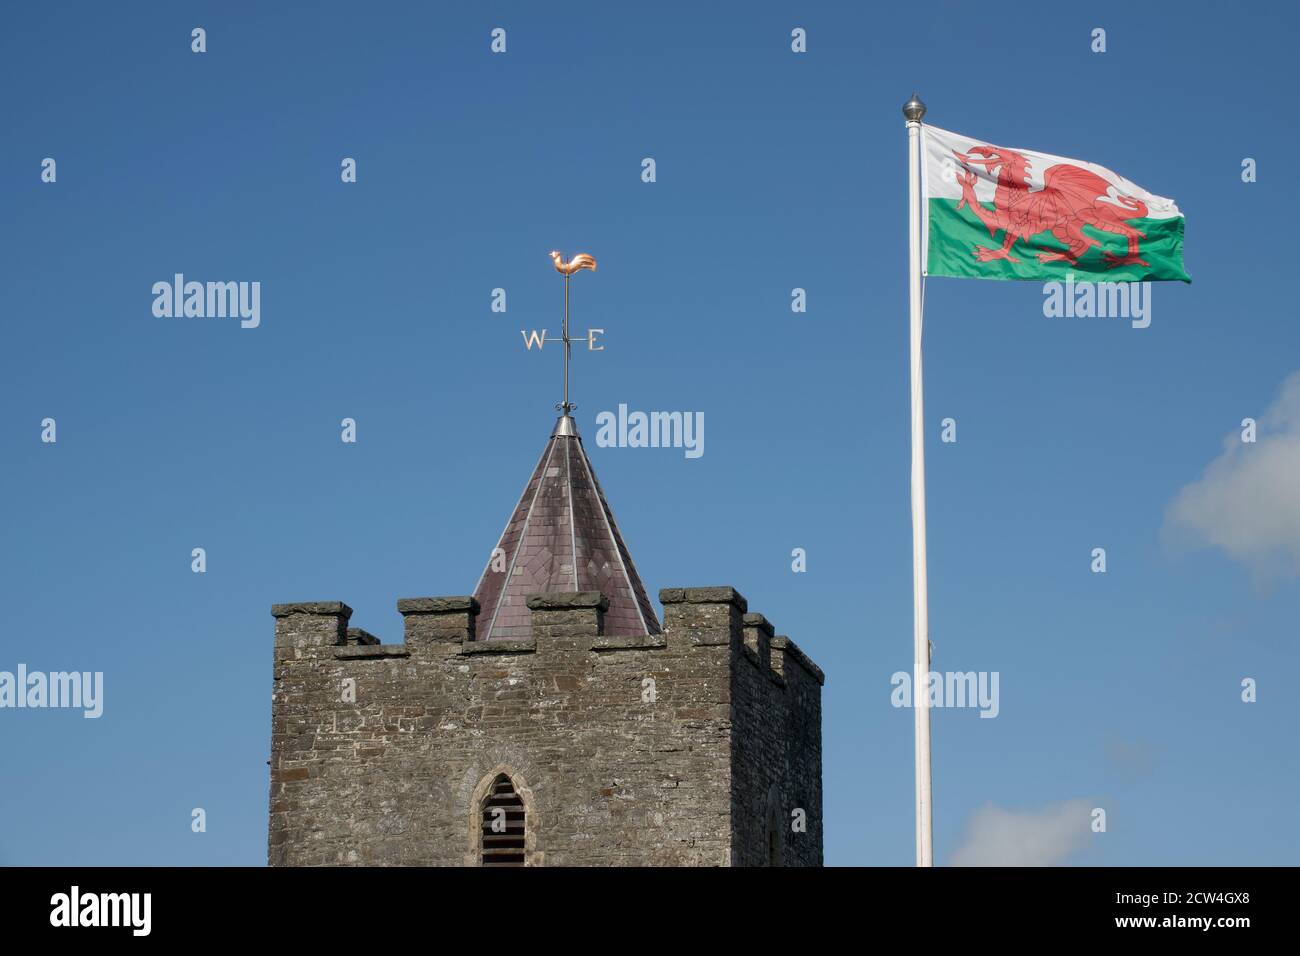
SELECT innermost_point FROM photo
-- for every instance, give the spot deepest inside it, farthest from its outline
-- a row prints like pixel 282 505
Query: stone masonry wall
pixel 621 748
pixel 776 752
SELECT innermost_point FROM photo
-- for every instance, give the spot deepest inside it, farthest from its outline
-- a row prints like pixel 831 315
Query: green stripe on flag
pixel 956 233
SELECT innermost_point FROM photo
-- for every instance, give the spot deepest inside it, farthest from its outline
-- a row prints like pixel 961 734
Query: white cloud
pixel 1248 501
pixel 1046 837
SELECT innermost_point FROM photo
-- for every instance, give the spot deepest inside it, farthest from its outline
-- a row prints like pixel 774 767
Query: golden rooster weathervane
pixel 566 269
pixel 580 261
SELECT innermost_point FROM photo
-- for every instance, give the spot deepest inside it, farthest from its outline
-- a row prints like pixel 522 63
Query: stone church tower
pixel 549 719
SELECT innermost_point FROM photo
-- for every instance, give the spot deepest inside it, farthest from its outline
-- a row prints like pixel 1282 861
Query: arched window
pixel 502 839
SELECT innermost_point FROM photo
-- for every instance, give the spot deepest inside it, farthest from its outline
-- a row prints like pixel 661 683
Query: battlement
pixel 690 745
pixel 693 617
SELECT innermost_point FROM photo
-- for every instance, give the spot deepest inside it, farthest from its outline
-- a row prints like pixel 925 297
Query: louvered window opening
pixel 503 846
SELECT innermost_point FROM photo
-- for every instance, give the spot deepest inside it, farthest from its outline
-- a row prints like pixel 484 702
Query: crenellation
pixel 438 620
pixel 758 633
pixel 568 615
pixel 707 616
pixel 783 647
pixel 310 624
pixel 356 636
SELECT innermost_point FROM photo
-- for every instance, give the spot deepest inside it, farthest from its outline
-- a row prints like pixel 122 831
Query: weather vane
pixel 567 269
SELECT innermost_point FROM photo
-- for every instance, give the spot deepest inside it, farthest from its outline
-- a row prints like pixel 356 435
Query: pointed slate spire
pixel 562 537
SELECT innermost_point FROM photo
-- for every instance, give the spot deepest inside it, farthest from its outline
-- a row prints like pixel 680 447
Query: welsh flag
pixel 998 213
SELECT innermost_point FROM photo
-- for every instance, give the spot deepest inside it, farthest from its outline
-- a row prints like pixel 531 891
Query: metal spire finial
pixel 914 109
pixel 566 269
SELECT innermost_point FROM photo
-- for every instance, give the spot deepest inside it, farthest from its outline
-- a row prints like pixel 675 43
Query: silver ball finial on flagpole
pixel 914 109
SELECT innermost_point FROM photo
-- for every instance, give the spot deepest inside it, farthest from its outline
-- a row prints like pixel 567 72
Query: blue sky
pixel 774 171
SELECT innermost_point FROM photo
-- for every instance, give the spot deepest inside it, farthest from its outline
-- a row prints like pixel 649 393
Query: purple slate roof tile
pixel 562 536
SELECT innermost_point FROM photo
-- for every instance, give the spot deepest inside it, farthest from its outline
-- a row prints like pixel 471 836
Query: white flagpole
pixel 913 110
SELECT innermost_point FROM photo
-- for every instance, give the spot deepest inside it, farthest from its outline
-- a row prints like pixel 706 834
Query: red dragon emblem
pixel 1072 197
